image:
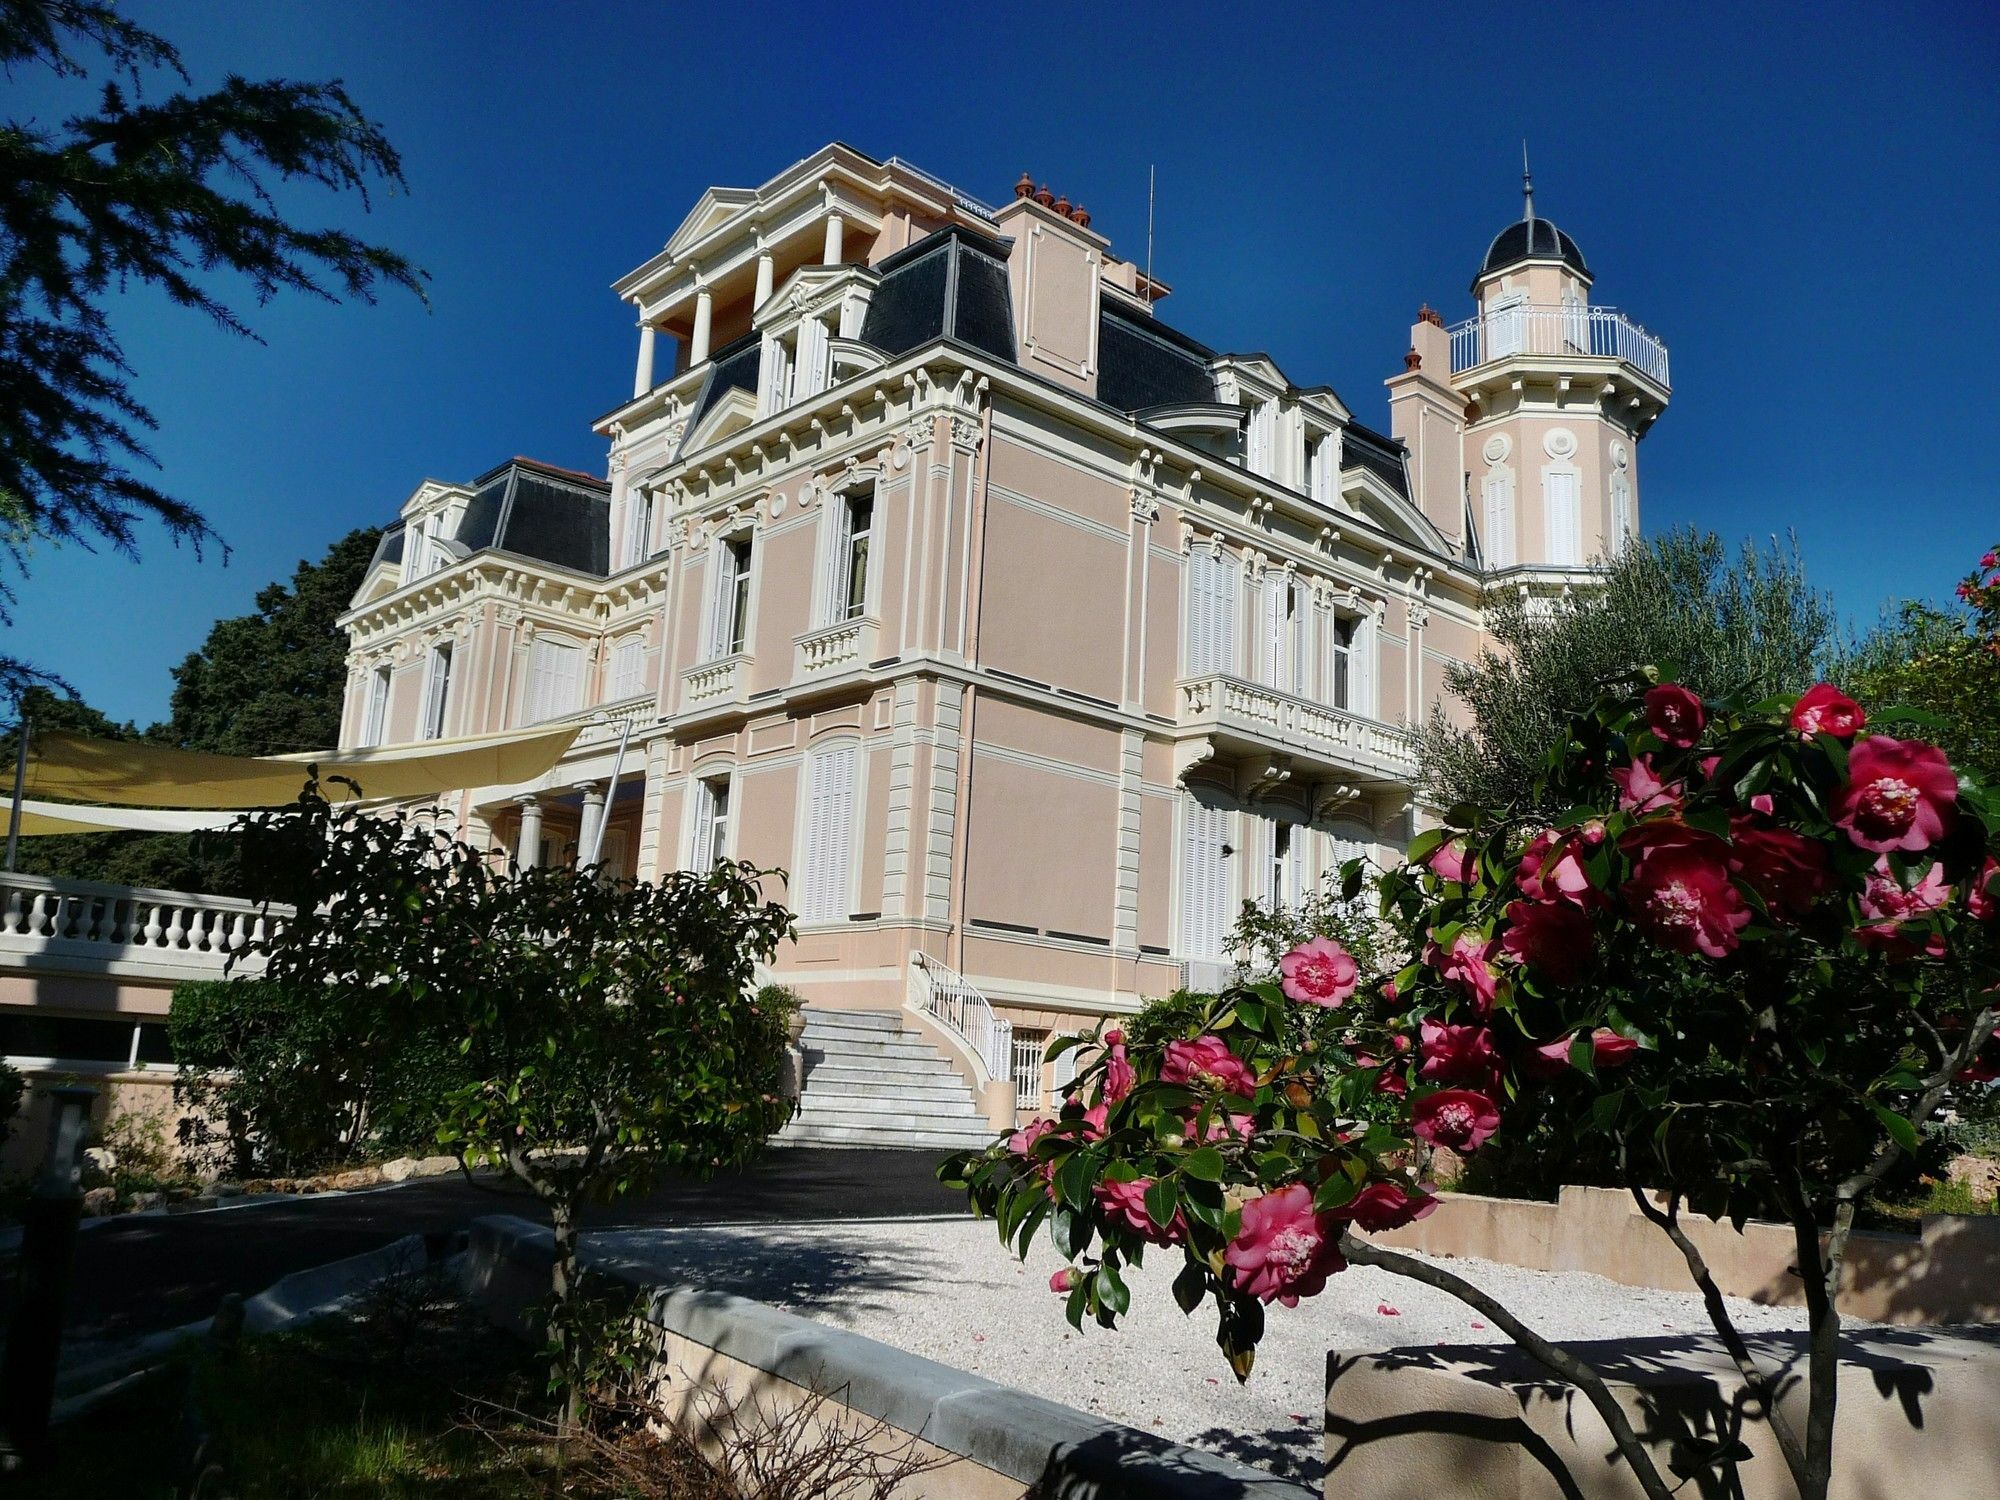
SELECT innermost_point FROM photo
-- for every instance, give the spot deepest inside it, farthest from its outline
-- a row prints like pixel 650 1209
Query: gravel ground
pixel 947 1290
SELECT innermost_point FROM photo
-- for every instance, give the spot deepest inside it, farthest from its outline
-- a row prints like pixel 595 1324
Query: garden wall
pixel 991 1442
pixel 1949 1273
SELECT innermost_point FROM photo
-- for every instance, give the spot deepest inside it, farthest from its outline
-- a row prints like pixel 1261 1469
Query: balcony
pixel 78 926
pixel 1565 333
pixel 716 686
pixel 834 650
pixel 1239 717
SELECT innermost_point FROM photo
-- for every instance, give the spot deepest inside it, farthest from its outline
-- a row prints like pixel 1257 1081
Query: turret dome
pixel 1532 239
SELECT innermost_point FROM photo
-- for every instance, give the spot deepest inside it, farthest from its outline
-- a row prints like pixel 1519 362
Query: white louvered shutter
pixel 1272 647
pixel 721 599
pixel 1499 488
pixel 1361 654
pixel 1621 514
pixel 839 560
pixel 823 887
pixel 628 669
pixel 1063 1072
pixel 1205 881
pixel 1562 517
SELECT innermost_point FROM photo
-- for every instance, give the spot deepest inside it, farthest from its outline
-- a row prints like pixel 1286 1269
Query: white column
pixel 704 310
pixel 593 814
pixel 642 378
pixel 765 270
pixel 528 851
pixel 834 228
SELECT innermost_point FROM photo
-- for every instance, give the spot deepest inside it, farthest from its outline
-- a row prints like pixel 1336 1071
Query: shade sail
pixel 46 819
pixel 129 773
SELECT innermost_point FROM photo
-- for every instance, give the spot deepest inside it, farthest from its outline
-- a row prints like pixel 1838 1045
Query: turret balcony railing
pixel 1557 332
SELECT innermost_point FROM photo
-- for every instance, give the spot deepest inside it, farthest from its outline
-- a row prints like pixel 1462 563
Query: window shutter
pixel 721 598
pixel 1064 1074
pixel 1273 644
pixel 1621 514
pixel 628 669
pixel 1205 881
pixel 1224 622
pixel 1562 518
pixel 839 561
pixel 1499 489
pixel 823 889
pixel 1361 668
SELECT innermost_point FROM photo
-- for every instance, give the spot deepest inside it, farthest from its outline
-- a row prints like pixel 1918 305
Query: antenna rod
pixel 1149 234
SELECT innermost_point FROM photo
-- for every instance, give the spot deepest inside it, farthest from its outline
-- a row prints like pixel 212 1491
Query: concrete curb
pixel 1054 1449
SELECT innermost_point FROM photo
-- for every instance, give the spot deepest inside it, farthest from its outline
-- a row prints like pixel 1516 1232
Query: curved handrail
pixel 944 994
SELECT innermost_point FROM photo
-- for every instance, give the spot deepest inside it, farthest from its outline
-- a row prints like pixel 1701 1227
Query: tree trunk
pixel 563 1284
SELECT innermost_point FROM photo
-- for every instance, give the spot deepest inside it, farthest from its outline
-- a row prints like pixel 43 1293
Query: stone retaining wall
pixel 1949 1273
pixel 992 1443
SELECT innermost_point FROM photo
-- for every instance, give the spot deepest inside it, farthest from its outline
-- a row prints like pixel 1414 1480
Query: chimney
pixel 1428 416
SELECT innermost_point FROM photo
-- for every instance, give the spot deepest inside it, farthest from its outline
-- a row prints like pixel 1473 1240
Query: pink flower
pixel 1787 869
pixel 1119 1076
pixel 1556 939
pixel 1456 1054
pixel 1222 1126
pixel 1551 871
pixel 1825 709
pixel 1206 1062
pixel 1384 1205
pixel 1319 972
pixel 1458 1119
pixel 1022 1141
pixel 1674 714
pixel 1063 1280
pixel 1468 966
pixel 1548 1059
pixel 1900 794
pixel 1885 905
pixel 1981 900
pixel 1610 1048
pixel 1124 1207
pixel 1284 1250
pixel 1680 891
pixel 1453 861
pixel 1641 790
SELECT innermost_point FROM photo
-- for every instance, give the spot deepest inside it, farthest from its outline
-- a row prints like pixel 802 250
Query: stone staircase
pixel 871 1083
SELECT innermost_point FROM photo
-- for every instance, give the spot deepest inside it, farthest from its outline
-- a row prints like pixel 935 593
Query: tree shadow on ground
pixel 829 1275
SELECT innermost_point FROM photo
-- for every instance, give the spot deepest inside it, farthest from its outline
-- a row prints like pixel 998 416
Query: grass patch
pixel 1904 1213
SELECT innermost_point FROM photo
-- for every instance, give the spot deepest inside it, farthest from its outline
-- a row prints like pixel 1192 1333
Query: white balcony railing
pixel 48 923
pixel 943 994
pixel 1597 332
pixel 603 721
pixel 716 684
pixel 1286 722
pixel 840 647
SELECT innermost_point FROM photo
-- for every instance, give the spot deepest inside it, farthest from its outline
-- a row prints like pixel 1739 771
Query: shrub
pixel 1748 955
pixel 13 1088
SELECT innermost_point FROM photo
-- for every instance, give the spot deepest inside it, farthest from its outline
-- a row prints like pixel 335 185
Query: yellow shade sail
pixel 128 773
pixel 46 819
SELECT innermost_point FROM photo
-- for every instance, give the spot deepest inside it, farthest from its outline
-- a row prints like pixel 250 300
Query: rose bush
pixel 1755 952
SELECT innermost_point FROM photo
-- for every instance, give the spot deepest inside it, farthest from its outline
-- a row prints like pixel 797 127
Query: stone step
pixel 858 1119
pixel 899 1051
pixel 876 1020
pixel 886 1069
pixel 960 1108
pixel 860 1035
pixel 939 1141
pixel 944 1091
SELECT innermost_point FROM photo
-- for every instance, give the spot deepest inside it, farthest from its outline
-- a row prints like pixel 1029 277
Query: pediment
pixel 712 209
pixel 731 414
pixel 1368 496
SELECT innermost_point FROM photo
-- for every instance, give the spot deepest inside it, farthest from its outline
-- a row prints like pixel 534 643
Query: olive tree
pixel 606 1030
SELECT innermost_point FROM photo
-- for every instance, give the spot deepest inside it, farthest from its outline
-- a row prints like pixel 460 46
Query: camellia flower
pixel 1675 714
pixel 1551 871
pixel 1022 1141
pixel 1222 1126
pixel 1556 938
pixel 1063 1280
pixel 1467 965
pixel 1119 1076
pixel 1385 1205
pixel 1825 709
pixel 1124 1204
pixel 1609 1049
pixel 1886 905
pixel 1452 861
pixel 1900 794
pixel 1548 1059
pixel 1641 790
pixel 1456 1054
pixel 1458 1119
pixel 1207 1062
pixel 1319 972
pixel 1284 1250
pixel 1984 898
pixel 1787 869
pixel 1680 891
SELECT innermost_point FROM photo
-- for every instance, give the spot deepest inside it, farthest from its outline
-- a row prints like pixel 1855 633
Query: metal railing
pixel 173 931
pixel 1598 332
pixel 943 994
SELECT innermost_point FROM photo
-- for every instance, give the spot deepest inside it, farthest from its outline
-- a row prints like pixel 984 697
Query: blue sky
pixel 1805 209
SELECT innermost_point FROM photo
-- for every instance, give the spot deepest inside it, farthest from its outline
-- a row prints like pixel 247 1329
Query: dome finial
pixel 1527 183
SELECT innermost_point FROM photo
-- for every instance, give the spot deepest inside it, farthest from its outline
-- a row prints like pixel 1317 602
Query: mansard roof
pixel 540 511
pixel 1142 363
pixel 949 284
pixel 1384 457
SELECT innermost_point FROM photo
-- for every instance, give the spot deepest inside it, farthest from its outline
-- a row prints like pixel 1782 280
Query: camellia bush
pixel 1754 953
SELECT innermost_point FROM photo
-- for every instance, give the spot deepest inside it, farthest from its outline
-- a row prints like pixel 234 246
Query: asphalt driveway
pixel 143 1272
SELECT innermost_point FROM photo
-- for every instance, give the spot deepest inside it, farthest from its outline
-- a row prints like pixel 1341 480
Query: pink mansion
pixel 1029 634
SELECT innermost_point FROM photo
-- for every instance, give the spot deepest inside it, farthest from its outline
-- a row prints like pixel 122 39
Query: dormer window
pixel 797 365
pixel 1323 467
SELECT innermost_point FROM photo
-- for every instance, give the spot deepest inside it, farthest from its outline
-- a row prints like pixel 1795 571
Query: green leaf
pixel 1190 1287
pixel 1111 1289
pixel 1336 1192
pixel 1901 1131
pixel 1163 1200
pixel 1205 1164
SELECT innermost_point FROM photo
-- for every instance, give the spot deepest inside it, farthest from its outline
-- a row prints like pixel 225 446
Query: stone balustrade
pixel 73 925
